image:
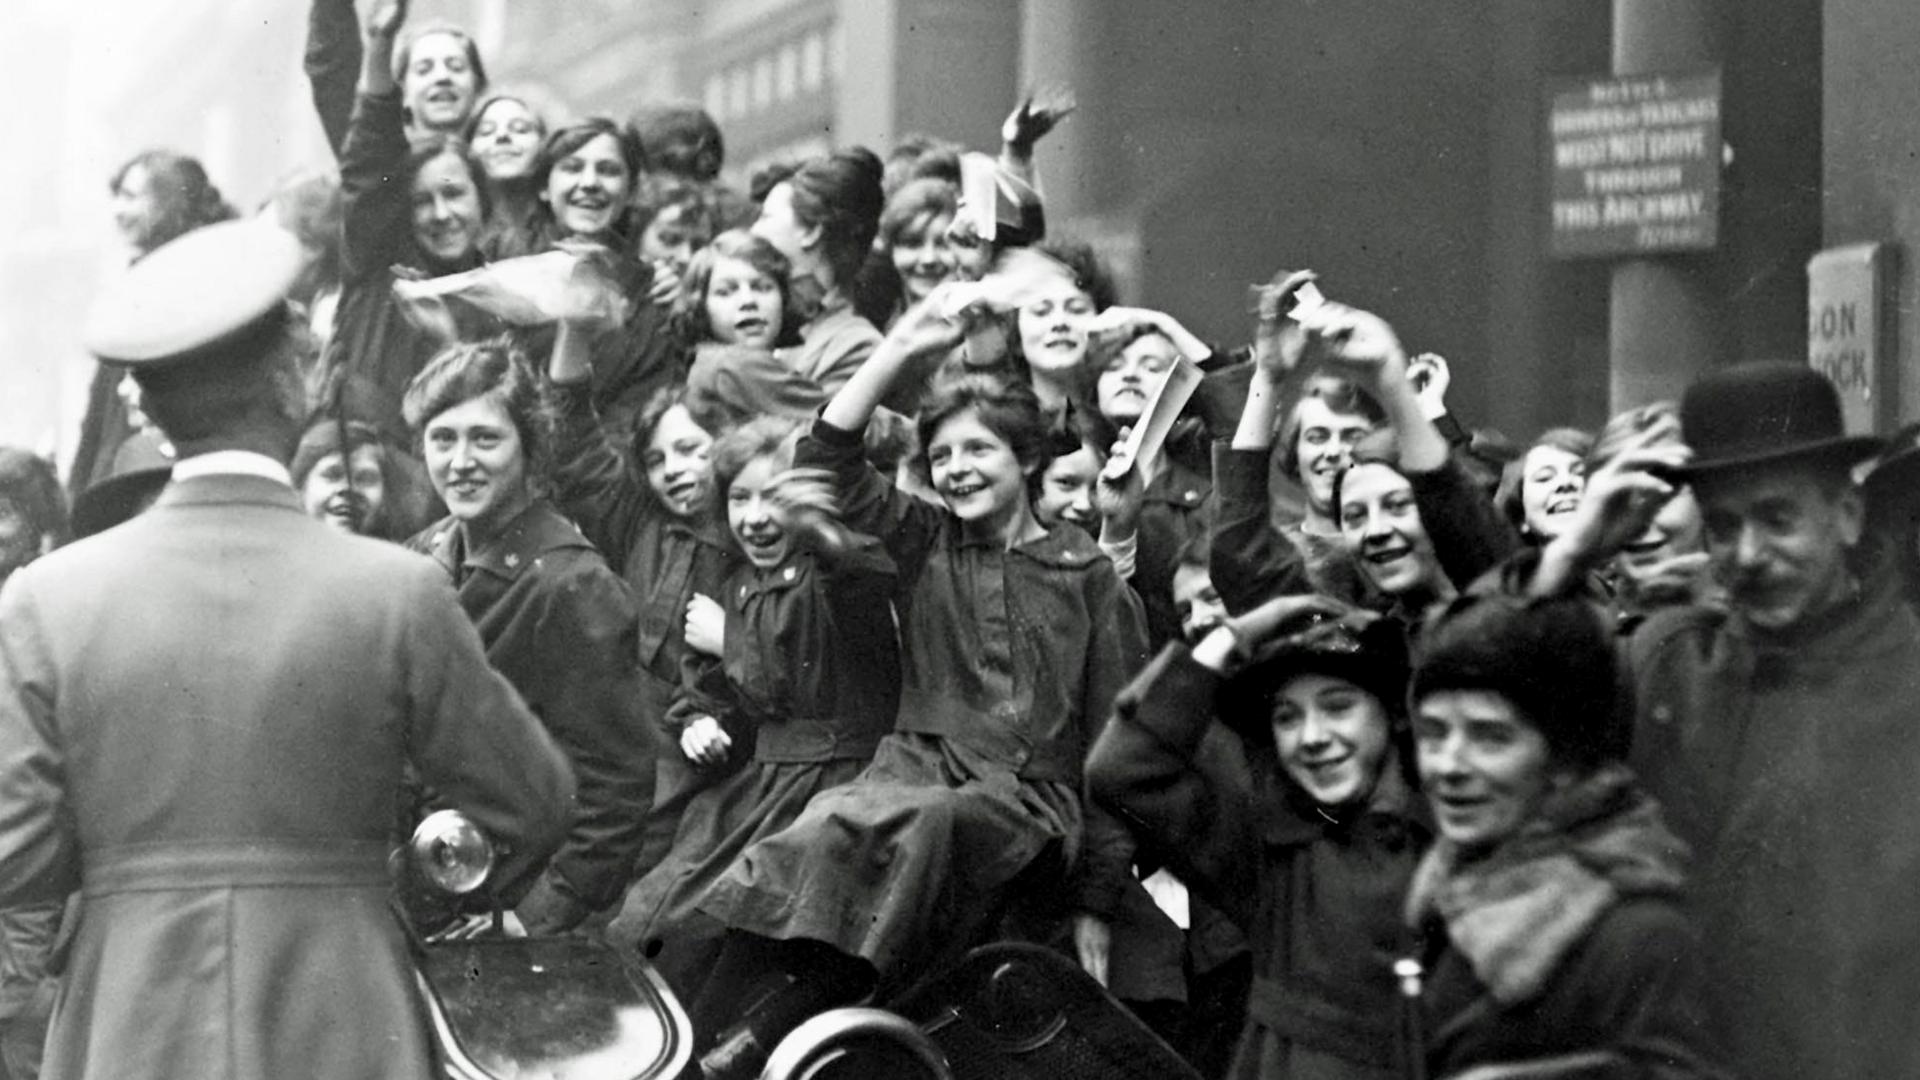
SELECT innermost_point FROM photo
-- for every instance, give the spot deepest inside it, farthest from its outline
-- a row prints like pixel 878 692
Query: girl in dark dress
pixel 809 678
pixel 1014 640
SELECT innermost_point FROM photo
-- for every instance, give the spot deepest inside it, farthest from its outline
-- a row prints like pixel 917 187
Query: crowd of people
pixel 1334 737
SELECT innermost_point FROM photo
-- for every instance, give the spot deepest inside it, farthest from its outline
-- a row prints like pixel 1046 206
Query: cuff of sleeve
pixel 837 437
pixel 1239 474
pixel 1125 555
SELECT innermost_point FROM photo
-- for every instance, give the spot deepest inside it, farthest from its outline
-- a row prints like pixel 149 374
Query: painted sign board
pixel 1634 164
pixel 1850 331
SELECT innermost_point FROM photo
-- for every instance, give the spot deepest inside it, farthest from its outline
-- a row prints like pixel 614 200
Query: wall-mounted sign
pixel 1634 164
pixel 1850 331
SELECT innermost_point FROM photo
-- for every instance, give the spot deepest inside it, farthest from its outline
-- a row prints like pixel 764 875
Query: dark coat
pixel 1568 943
pixel 560 626
pixel 1790 765
pixel 1320 902
pixel 375 351
pixel 665 559
pixel 1174 509
pixel 204 715
pixel 810 679
pixel 1008 657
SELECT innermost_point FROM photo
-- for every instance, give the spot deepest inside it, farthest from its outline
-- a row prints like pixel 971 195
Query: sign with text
pixel 1635 165
pixel 1850 332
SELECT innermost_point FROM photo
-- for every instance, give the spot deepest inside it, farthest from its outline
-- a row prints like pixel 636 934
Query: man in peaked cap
pixel 204 715
pixel 1780 733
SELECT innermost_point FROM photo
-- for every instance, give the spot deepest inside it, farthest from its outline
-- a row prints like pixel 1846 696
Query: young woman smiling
pixel 556 621
pixel 1556 940
pixel 419 206
pixel 1310 854
pixel 586 175
pixel 504 135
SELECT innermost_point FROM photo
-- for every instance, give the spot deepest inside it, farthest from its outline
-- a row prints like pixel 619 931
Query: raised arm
pixel 593 484
pixel 377 225
pixel 332 63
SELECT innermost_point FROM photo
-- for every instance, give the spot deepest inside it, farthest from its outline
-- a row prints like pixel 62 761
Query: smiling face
pixel 1197 601
pixel 506 140
pixel 925 255
pixel 1053 326
pixel 1131 377
pixel 1551 483
pixel 587 188
pixel 135 207
pixel 439 84
pixel 350 508
pixel 1485 768
pixel 1332 736
pixel 750 514
pixel 1066 490
pixel 1380 524
pixel 743 304
pixel 676 462
pixel 1324 447
pixel 478 465
pixel 446 209
pixel 975 472
pixel 1778 538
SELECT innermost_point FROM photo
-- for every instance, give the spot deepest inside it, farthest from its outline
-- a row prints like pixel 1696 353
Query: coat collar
pixel 1067 547
pixel 229 489
pixel 537 530
pixel 753 581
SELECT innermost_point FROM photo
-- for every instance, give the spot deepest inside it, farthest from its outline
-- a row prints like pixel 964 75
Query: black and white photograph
pixel 960 540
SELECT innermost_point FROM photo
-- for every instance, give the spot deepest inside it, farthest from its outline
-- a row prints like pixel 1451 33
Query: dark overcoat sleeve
pixel 39 850
pixel 473 739
pixel 1147 767
pixel 332 62
pixel 1251 563
pixel 1118 650
pixel 582 682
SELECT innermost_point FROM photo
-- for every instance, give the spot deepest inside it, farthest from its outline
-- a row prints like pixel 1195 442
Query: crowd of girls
pixel 868 644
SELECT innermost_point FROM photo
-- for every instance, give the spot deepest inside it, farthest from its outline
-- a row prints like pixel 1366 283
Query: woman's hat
pixel 1553 658
pixel 1360 647
pixel 1775 411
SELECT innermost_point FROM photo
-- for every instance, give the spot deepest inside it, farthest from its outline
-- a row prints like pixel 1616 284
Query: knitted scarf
pixel 1515 912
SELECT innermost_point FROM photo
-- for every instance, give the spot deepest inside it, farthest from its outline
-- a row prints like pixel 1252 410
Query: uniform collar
pixel 537 530
pixel 757 582
pixel 232 463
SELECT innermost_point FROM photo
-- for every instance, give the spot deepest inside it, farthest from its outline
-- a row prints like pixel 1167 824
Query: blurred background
pixel 1394 145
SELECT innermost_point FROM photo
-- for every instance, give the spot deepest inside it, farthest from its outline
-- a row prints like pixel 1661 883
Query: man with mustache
pixel 1779 732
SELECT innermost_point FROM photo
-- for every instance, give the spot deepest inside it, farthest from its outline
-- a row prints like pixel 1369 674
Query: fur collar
pixel 1516 912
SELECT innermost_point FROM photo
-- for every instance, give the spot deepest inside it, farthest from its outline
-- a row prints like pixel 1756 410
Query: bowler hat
pixel 191 295
pixel 141 468
pixel 1775 411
